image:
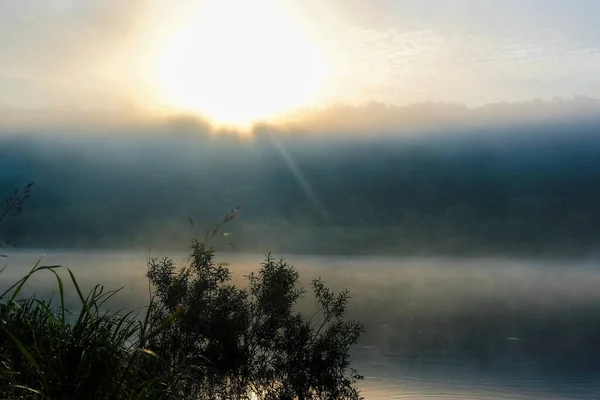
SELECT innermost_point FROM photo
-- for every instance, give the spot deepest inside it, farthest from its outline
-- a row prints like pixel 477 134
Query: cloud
pixel 473 52
pixel 97 53
pixel 432 64
pixel 70 52
pixel 369 120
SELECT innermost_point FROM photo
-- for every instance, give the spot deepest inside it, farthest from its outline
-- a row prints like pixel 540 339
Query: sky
pixel 109 53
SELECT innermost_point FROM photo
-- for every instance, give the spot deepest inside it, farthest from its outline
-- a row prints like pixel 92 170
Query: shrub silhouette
pixel 236 342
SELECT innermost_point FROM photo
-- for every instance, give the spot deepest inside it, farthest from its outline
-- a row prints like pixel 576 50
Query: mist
pixel 511 188
pixel 486 312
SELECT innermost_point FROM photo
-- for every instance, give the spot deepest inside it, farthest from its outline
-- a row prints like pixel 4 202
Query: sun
pixel 238 62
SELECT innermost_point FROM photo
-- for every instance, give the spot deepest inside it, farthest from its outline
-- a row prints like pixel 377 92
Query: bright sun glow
pixel 237 62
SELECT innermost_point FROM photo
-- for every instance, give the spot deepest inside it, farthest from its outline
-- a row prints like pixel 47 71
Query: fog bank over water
pixel 341 120
pixel 476 306
pixel 506 187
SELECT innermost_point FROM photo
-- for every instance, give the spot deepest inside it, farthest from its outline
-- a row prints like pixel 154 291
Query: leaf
pixel 150 352
pixel 163 325
pixel 83 300
pixel 22 349
pixel 231 215
pixel 26 388
pixel 19 284
pixel 62 294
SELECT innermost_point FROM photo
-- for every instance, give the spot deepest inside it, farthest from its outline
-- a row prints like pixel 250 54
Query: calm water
pixel 436 328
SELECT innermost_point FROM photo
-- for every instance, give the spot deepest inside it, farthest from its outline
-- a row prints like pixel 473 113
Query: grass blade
pixel 24 351
pixel 19 284
pixel 163 325
pixel 62 295
pixel 83 299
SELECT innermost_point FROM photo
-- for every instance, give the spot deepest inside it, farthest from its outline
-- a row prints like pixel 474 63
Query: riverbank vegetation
pixel 199 337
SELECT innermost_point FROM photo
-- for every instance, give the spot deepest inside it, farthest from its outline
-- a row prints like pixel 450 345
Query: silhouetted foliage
pixel 13 206
pixel 201 336
pixel 237 341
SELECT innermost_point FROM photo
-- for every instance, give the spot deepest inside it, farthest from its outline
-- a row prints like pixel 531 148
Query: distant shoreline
pixel 546 257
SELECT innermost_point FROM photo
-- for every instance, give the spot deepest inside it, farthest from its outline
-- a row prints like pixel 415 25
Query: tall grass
pixel 50 352
pixel 46 351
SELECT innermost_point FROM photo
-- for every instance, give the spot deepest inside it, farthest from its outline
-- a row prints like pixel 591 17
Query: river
pixel 442 328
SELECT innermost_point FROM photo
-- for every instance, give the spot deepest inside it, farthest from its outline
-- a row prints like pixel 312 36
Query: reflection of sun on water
pixel 239 61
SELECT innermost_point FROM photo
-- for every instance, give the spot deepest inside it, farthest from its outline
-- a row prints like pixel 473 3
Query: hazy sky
pixel 102 53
